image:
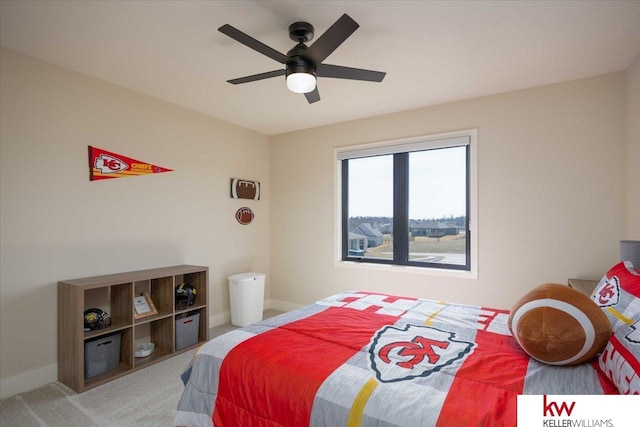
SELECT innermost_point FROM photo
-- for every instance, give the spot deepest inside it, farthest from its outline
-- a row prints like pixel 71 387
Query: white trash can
pixel 246 292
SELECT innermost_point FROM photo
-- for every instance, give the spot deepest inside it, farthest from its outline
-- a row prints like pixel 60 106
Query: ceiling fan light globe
pixel 301 82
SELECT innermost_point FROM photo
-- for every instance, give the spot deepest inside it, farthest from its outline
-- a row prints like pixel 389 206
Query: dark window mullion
pixel 401 208
pixel 345 209
pixel 468 210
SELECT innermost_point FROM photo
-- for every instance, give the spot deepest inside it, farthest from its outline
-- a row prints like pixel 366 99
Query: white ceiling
pixel 433 51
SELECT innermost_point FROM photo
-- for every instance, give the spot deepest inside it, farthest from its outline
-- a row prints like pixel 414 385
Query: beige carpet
pixel 148 397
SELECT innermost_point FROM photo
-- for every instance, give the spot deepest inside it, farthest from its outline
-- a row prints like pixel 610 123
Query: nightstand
pixel 583 285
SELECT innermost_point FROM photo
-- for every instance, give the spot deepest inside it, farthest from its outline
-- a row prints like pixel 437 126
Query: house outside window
pixel 410 202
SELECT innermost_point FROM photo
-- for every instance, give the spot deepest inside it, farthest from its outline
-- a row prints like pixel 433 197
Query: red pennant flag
pixel 105 165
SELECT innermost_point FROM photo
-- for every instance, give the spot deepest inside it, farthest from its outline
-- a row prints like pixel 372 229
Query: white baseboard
pixel 283 305
pixel 222 318
pixel 28 381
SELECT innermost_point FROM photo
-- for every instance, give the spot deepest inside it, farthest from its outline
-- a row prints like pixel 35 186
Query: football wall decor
pixel 245 189
pixel 244 215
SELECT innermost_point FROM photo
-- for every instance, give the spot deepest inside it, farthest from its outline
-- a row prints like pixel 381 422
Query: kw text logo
pixel 552 409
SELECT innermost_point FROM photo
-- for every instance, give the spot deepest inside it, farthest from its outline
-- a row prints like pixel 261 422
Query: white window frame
pixel 439 140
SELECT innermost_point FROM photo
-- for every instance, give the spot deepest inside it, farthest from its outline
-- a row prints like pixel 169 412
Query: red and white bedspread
pixel 372 360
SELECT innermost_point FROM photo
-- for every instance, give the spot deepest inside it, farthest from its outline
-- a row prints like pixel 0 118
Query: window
pixel 409 202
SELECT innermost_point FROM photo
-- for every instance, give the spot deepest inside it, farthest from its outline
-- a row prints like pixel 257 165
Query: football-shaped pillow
pixel 558 325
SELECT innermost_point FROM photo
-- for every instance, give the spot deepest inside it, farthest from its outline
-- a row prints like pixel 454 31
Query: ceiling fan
pixel 303 64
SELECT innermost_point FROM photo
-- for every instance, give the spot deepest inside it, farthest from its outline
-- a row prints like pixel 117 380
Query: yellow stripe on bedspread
pixel 432 316
pixel 357 410
pixel 620 316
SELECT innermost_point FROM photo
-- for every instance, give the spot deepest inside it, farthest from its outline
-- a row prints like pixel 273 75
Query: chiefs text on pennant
pixel 106 165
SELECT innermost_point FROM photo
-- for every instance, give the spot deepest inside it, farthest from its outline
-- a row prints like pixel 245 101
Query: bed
pixel 369 359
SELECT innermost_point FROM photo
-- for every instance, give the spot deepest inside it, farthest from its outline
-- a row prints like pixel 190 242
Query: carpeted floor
pixel 144 398
pixel 148 397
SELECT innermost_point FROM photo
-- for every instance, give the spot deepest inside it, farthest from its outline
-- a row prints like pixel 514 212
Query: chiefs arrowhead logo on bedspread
pixel 608 293
pixel 414 351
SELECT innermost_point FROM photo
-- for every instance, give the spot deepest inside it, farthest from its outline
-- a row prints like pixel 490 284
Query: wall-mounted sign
pixel 105 165
pixel 244 215
pixel 245 189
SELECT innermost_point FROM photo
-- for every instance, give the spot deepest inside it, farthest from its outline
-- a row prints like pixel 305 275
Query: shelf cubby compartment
pixel 160 333
pixel 202 332
pixel 160 291
pixel 114 300
pixel 125 362
pixel 199 281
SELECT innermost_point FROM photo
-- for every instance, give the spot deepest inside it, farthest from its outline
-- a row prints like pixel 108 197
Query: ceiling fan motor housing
pixel 301 32
pixel 297 63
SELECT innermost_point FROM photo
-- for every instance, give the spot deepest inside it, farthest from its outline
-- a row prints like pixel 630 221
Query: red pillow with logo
pixel 618 294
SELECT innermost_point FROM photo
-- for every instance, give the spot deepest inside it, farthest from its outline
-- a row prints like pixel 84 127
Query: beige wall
pixel 552 198
pixel 633 150
pixel 56 225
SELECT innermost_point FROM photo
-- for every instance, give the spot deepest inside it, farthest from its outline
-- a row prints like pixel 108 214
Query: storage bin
pixel 101 355
pixel 187 331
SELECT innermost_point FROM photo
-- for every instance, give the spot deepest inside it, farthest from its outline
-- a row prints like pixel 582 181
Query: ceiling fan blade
pixel 256 77
pixel 253 43
pixel 339 72
pixel 313 96
pixel 331 39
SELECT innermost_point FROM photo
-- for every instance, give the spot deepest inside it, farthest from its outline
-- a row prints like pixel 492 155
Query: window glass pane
pixel 437 206
pixel 370 207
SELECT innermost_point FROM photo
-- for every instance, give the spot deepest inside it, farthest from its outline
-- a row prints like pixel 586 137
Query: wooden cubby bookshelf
pixel 114 294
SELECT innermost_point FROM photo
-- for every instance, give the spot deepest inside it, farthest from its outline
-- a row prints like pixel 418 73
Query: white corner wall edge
pixel 28 381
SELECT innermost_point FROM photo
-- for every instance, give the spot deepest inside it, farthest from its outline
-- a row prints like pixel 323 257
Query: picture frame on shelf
pixel 143 306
